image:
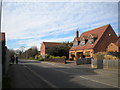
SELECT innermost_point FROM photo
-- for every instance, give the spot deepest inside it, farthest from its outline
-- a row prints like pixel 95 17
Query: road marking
pixel 53 86
pixel 50 84
pixel 86 78
pixel 98 81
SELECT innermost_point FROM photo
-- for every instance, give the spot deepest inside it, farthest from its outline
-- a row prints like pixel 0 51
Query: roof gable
pixel 95 32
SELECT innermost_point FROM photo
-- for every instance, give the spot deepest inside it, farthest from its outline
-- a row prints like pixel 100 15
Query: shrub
pixel 56 56
pixel 116 54
pixel 110 57
pixel 99 55
pixel 40 59
pixel 31 58
pixel 47 55
pixel 59 50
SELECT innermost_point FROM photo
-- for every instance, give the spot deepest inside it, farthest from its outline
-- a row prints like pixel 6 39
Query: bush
pixel 99 55
pixel 56 56
pixel 31 58
pixel 116 54
pixel 47 56
pixel 59 50
pixel 40 59
pixel 110 57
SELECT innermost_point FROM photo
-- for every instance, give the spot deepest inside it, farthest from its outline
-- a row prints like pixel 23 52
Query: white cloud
pixel 34 42
pixel 61 0
pixel 33 21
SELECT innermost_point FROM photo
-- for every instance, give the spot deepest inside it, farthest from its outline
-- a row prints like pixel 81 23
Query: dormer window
pixel 75 42
pixel 82 42
pixel 91 41
pixel 92 38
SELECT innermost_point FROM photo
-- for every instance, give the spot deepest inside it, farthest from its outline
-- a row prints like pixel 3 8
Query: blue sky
pixel 30 23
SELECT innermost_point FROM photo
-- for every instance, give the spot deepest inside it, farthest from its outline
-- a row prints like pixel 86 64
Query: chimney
pixel 77 33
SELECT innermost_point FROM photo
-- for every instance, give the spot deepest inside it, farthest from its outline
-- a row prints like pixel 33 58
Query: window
pixel 75 43
pixel 82 42
pixel 91 39
pixel 87 54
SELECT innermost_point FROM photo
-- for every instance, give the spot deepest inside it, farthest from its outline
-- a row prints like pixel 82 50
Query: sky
pixel 30 23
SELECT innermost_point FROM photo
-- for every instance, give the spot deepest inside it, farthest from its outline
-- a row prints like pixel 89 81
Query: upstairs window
pixel 91 39
pixel 82 42
pixel 75 43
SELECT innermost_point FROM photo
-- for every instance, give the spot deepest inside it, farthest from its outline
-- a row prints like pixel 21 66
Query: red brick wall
pixel 113 47
pixel 106 40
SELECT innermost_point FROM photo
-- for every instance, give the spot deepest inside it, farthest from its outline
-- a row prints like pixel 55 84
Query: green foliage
pixel 110 57
pixel 30 53
pixel 47 56
pixel 40 59
pixel 99 55
pixel 31 58
pixel 105 55
pixel 60 50
pixel 56 56
pixel 116 54
pixel 68 44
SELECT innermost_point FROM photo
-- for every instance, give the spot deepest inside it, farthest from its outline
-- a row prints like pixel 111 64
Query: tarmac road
pixel 36 74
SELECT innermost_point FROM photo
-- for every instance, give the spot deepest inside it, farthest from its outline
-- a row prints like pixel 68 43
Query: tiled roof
pixel 94 35
pixel 51 44
pixel 85 37
pixel 96 32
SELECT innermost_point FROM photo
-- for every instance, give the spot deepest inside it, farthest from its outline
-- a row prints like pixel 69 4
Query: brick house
pixel 114 47
pixel 45 46
pixel 92 41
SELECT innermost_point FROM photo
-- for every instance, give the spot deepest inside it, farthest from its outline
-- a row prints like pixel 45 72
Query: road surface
pixel 36 74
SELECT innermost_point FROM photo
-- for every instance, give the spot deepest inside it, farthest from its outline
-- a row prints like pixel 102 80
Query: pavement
pixel 36 74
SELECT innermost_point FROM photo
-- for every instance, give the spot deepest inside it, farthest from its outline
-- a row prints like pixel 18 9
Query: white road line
pixel 66 73
pixel 46 81
pixel 86 78
pixel 98 81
